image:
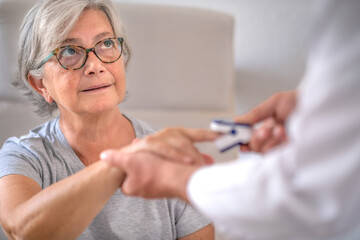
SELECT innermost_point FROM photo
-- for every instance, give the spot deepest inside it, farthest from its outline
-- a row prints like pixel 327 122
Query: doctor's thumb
pixel 112 157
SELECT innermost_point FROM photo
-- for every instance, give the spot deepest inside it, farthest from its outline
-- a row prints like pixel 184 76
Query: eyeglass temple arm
pixel 46 59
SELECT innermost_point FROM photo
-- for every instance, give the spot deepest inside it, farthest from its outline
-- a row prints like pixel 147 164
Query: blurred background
pixel 269 43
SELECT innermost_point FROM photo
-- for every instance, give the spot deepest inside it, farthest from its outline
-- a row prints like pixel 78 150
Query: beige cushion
pixel 182 57
pixel 11 15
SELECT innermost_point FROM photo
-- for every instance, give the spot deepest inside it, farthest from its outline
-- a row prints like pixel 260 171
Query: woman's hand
pixel 272 114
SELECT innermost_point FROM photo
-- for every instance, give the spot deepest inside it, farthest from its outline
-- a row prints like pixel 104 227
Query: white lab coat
pixel 310 187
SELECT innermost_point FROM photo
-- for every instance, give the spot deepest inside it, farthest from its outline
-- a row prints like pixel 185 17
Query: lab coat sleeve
pixel 310 187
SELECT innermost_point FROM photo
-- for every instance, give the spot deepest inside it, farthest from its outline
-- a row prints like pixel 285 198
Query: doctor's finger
pixel 114 157
pixel 260 112
pixel 163 149
pixel 277 137
pixel 258 139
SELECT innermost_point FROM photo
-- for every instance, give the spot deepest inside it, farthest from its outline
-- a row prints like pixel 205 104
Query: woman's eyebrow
pixel 71 41
pixel 102 35
pixel 98 37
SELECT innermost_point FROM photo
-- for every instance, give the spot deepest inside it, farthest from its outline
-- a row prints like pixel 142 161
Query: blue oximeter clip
pixel 234 134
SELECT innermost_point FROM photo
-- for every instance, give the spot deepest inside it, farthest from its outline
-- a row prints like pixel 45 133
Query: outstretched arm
pixel 61 211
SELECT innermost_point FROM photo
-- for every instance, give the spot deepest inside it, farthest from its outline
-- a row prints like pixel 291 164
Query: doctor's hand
pixel 150 175
pixel 272 114
pixel 160 164
pixel 174 144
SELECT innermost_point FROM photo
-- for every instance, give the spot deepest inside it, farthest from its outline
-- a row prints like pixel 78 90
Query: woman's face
pixel 97 86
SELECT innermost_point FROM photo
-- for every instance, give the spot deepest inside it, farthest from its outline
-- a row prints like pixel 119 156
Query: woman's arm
pixel 61 211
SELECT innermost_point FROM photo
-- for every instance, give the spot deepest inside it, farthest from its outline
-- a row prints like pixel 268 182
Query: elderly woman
pixel 72 57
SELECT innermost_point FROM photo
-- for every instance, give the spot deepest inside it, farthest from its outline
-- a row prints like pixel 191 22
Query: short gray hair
pixel 43 29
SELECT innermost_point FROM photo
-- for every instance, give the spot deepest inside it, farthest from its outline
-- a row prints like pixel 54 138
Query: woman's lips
pixel 95 88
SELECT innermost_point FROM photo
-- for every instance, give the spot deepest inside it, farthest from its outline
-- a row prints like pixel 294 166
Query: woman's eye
pixel 108 44
pixel 68 52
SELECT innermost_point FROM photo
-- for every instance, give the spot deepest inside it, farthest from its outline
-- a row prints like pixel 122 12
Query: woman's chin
pixel 103 108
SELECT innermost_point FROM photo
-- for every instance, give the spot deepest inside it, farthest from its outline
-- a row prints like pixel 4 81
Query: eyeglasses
pixel 72 57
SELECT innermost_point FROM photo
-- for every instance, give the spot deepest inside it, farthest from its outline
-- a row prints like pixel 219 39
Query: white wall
pixel 269 43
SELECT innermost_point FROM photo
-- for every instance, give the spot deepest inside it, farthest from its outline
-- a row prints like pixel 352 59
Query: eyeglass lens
pixel 73 57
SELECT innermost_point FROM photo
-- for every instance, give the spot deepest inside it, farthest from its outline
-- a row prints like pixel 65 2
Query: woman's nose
pixel 93 64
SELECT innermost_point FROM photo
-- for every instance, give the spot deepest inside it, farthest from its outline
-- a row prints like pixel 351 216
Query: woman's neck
pixel 89 135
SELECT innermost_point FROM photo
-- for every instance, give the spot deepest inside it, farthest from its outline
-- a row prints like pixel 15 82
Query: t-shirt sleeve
pixel 17 159
pixel 188 220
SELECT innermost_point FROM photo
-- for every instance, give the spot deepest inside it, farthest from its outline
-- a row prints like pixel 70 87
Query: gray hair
pixel 43 29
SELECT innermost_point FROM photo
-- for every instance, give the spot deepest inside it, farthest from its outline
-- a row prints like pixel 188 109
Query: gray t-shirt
pixel 45 156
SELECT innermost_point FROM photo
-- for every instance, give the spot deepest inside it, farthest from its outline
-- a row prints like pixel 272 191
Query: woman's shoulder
pixel 33 154
pixel 33 138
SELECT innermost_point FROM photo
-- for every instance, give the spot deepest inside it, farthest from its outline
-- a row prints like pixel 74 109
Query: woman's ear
pixel 38 85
